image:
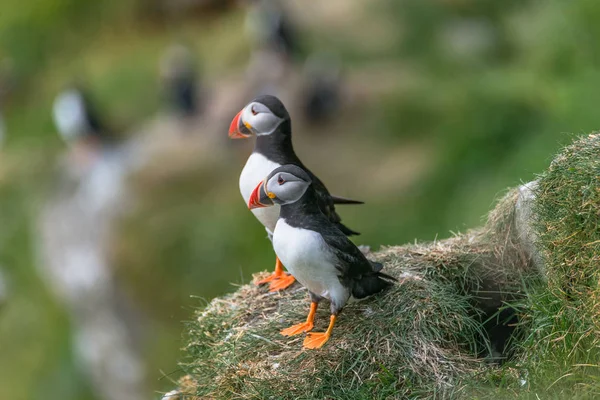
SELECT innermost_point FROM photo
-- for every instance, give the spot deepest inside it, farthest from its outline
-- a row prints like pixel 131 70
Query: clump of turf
pixel 562 312
pixel 415 339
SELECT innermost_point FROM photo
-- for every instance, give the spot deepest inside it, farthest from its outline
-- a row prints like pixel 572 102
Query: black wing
pixel 362 276
pixel 351 262
pixel 327 204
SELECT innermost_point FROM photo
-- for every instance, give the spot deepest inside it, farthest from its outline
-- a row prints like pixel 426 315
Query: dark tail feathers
pixel 343 200
pixel 371 284
pixel 377 267
pixel 346 231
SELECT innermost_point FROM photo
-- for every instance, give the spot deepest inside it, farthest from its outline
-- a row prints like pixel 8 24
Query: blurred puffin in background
pixel 321 95
pixel 314 249
pixel 75 116
pixel 271 28
pixel 179 80
pixel 275 44
pixel 267 118
pixel 81 127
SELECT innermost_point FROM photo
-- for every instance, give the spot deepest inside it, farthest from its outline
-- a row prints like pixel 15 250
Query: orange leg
pixel 279 279
pixel 303 326
pixel 278 273
pixel 314 340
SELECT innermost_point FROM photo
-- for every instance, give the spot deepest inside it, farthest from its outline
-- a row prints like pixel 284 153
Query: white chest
pixel 256 169
pixel 306 255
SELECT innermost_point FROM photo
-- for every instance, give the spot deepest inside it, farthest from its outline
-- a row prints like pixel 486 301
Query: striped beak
pixel 259 197
pixel 237 128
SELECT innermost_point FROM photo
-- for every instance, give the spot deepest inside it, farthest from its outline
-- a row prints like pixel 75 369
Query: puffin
pixel 75 116
pixel 270 26
pixel 321 98
pixel 180 81
pixel 315 250
pixel 267 118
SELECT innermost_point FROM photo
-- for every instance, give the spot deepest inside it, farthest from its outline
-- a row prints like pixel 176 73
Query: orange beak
pixel 237 126
pixel 259 198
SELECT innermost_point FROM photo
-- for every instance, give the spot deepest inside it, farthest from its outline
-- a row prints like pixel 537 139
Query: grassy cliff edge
pixel 433 333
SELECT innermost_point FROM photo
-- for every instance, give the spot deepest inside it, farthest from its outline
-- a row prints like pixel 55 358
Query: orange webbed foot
pixel 303 326
pixel 270 278
pixel 283 282
pixel 315 340
pixel 297 329
pixel 276 278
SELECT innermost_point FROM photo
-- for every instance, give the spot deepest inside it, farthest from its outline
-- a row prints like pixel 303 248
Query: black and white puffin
pixel 267 118
pixel 314 249
pixel 321 98
pixel 270 26
pixel 75 116
pixel 180 81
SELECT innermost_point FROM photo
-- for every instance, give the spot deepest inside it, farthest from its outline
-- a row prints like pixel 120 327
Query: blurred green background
pixel 449 102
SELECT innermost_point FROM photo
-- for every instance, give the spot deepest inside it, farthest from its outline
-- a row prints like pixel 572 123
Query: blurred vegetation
pixel 490 89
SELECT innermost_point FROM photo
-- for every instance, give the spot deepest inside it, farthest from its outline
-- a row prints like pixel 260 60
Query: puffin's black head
pixel 262 116
pixel 284 185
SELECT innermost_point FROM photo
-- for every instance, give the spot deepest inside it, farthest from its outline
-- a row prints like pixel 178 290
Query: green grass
pixel 564 344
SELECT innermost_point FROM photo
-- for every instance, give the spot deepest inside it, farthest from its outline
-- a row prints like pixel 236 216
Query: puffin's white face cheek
pixel 286 188
pixel 259 119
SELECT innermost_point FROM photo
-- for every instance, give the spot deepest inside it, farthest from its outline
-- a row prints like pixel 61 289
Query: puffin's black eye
pixel 253 111
pixel 280 180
